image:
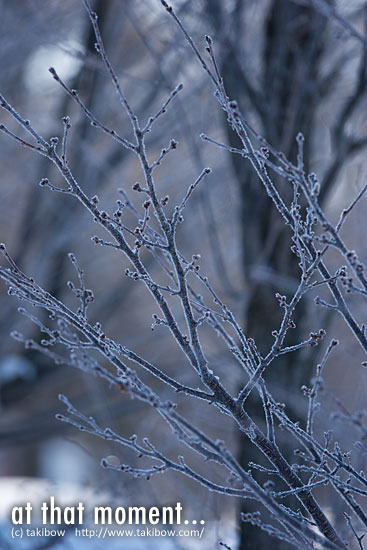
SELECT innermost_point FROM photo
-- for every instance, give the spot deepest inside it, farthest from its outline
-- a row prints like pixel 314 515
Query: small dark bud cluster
pixel 281 299
pixel 53 72
pixel 347 283
pixel 168 8
pixel 137 187
pixel 314 184
pixel 253 518
pixel 316 336
pixel 265 152
pixel 132 274
pixel 354 261
pixel 269 485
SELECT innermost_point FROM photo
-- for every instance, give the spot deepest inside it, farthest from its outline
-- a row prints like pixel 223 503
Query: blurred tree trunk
pixel 284 101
